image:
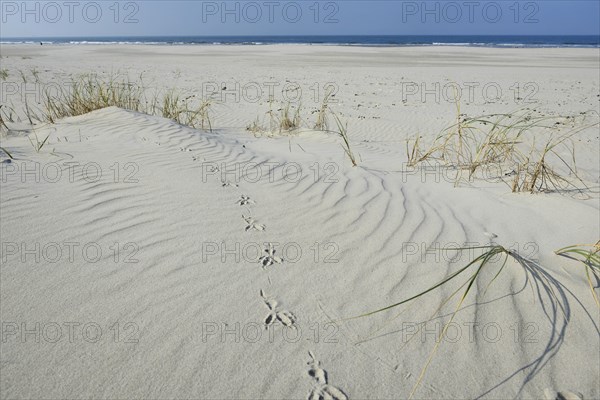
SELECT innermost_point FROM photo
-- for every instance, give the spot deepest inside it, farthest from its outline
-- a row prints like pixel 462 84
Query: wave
pixel 381 41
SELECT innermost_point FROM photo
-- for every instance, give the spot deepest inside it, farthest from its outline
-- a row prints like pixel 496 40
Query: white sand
pixel 188 311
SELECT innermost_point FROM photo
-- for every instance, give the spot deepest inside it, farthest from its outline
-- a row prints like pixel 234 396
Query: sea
pixel 589 41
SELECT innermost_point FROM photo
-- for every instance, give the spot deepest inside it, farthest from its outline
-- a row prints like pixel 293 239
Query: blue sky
pixel 300 17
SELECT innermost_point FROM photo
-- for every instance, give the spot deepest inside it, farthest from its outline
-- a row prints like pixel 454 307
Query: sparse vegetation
pixel 90 93
pixel 23 76
pixel 3 74
pixel 343 133
pixel 322 123
pixel 202 113
pixel 171 106
pixel 36 74
pixel 501 140
pixel 285 119
pixel 287 122
pixel 255 127
pixel 180 110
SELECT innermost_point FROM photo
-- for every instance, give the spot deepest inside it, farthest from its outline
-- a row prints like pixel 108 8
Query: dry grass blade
pixel 3 125
pixel 287 122
pixel 255 127
pixel 203 113
pixel 7 112
pixel 416 154
pixel 343 133
pixel 483 258
pixel 589 255
pixel 7 153
pixel 541 176
pixel 322 123
pixel 38 145
pixel 171 108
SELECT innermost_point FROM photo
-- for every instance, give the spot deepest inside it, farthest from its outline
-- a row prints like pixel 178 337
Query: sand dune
pixel 147 279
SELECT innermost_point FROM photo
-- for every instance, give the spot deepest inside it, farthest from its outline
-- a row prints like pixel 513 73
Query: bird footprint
pixel 327 392
pixel 322 390
pixel 270 258
pixel 253 224
pixel 228 184
pixel 245 200
pixel 285 317
pixel 315 371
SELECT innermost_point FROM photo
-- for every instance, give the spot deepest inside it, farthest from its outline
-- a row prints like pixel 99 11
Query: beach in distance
pixel 299 222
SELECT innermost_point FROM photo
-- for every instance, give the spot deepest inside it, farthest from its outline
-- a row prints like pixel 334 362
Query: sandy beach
pixel 143 258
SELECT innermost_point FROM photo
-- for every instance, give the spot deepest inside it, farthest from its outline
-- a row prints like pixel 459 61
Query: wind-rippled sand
pixel 131 245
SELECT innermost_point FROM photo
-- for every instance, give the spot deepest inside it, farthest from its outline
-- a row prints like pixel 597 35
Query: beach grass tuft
pixel 186 111
pixel 289 119
pixel 523 144
pixel 284 120
pixel 589 256
pixel 89 93
pixel 497 256
pixel 255 127
pixel 322 124
pixel 36 74
pixel 342 131
pixel 484 260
